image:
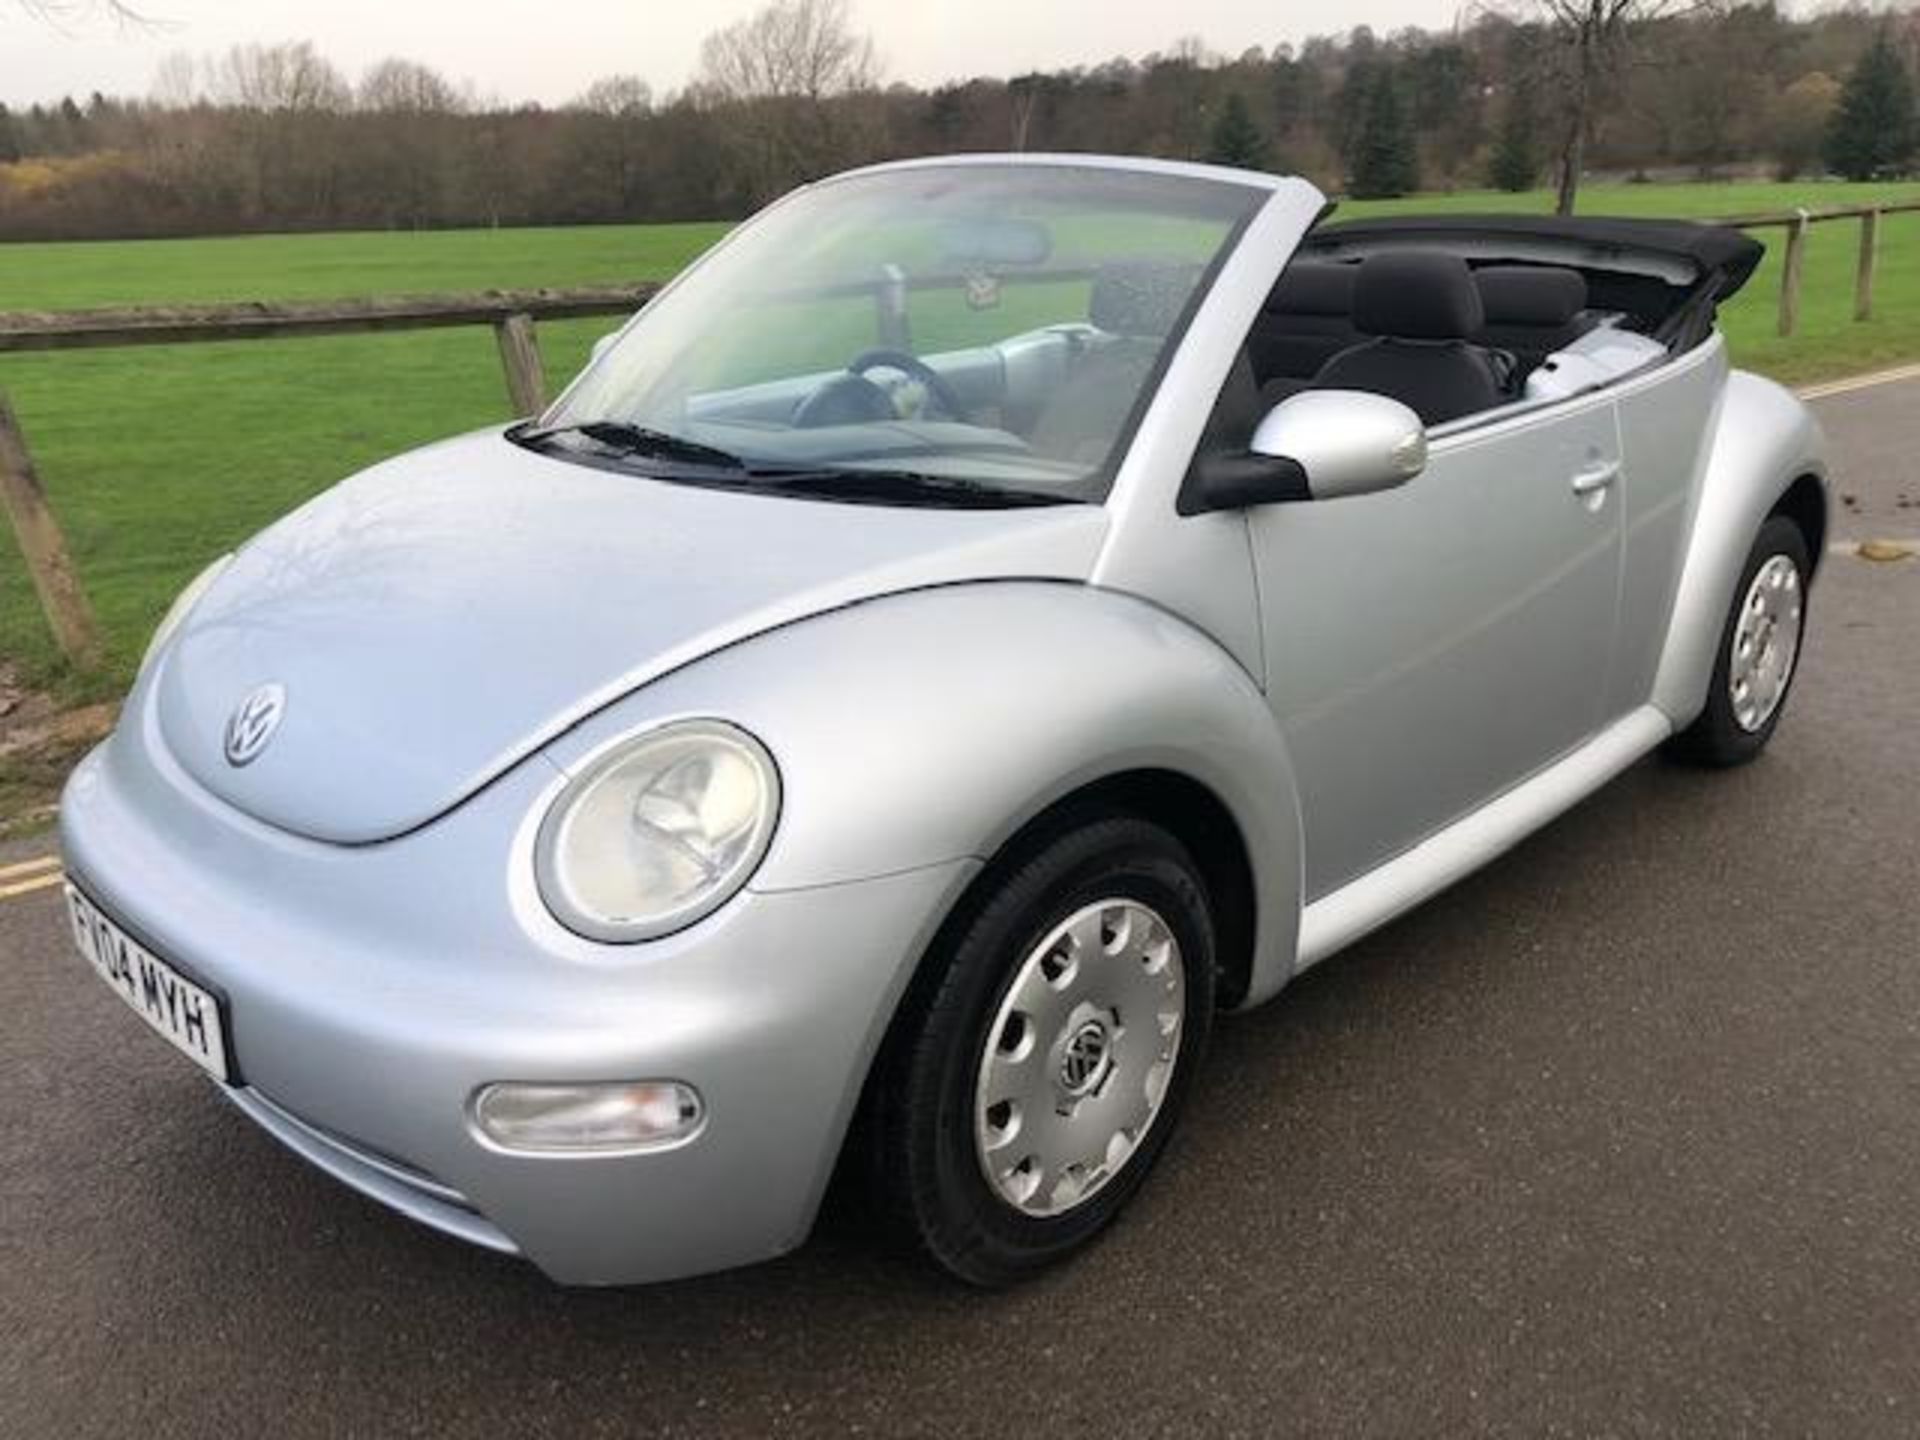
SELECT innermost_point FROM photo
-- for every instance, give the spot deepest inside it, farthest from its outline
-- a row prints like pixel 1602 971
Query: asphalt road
pixel 1621 1136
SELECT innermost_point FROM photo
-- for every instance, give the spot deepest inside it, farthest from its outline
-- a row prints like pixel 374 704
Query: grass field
pixel 158 459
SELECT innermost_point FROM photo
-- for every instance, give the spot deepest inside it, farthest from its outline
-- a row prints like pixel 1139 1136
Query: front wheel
pixel 1026 1096
pixel 1759 650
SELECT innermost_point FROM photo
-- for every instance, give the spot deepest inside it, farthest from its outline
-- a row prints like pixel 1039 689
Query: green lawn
pixel 159 458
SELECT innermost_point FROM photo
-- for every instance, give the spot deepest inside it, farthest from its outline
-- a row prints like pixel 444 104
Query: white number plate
pixel 188 1016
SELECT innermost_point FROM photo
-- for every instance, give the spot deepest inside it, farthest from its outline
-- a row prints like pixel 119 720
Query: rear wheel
pixel 1022 1103
pixel 1759 652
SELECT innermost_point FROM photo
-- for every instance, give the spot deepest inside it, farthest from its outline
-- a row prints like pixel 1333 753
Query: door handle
pixel 1595 478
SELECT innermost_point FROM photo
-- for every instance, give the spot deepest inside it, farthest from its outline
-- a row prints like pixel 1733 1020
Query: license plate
pixel 188 1016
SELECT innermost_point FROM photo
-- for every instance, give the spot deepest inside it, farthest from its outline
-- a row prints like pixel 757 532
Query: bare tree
pixel 406 87
pixel 57 10
pixel 291 76
pixel 177 80
pixel 1590 41
pixel 617 96
pixel 287 101
pixel 793 49
pixel 790 76
pixel 613 125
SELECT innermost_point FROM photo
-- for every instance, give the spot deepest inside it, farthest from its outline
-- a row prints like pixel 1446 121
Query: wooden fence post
pixel 1790 272
pixel 1869 252
pixel 45 549
pixel 520 356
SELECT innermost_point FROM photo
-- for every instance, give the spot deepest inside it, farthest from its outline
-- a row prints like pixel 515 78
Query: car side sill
pixel 1342 916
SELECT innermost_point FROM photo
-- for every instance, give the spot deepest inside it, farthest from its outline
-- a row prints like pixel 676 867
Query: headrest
pixel 1313 287
pixel 1140 297
pixel 1417 295
pixel 1531 294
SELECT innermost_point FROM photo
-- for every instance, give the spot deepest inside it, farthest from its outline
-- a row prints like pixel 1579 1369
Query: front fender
pixel 1763 440
pixel 926 727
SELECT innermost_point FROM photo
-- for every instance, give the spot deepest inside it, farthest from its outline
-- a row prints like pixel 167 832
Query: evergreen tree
pixel 1236 138
pixel 9 137
pixel 1385 159
pixel 1873 130
pixel 75 134
pixel 1515 164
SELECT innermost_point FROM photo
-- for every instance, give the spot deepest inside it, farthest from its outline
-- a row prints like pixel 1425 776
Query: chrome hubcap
pixel 1077 1061
pixel 1766 641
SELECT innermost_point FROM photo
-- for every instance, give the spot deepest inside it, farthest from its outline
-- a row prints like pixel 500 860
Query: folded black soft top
pixel 1718 253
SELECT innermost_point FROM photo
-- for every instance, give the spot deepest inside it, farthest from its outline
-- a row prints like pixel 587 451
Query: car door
pixel 1429 646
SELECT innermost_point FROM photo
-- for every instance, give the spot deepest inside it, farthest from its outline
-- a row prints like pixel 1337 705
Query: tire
pixel 1736 725
pixel 1121 911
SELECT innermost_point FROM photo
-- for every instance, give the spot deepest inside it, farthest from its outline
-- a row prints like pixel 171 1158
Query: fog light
pixel 625 1115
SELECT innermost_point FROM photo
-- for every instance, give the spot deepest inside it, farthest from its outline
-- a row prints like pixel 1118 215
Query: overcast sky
pixel 550 50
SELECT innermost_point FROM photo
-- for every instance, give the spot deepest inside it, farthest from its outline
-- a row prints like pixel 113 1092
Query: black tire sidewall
pixel 1716 737
pixel 957 1215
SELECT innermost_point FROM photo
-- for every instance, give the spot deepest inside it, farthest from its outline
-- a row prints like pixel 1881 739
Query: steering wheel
pixel 852 398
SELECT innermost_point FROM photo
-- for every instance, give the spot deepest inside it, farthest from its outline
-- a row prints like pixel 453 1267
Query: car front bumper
pixel 373 989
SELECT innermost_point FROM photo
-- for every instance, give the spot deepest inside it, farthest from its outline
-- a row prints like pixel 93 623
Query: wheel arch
pixel 1190 811
pixel 1804 502
pixel 935 726
pixel 1767 457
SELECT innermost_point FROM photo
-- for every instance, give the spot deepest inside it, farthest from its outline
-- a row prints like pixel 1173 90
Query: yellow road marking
pixel 29 867
pixel 1909 543
pixel 27 887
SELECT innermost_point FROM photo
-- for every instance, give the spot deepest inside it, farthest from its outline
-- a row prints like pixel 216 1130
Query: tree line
pixel 276 137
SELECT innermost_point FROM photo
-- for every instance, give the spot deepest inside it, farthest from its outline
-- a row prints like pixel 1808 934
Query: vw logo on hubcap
pixel 1084 1060
pixel 253 722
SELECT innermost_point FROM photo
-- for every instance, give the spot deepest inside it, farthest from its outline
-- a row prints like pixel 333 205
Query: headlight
pixel 183 606
pixel 659 832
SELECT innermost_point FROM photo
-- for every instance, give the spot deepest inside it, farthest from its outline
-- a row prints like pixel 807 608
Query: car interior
pixel 1450 335
pixel 1447 338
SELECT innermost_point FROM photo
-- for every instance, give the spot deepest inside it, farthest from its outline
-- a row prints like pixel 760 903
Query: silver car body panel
pixel 1434 644
pixel 426 618
pixel 1100 685
pixel 375 988
pixel 413 1193
pixel 1345 915
pixel 1198 565
pixel 928 683
pixel 1762 440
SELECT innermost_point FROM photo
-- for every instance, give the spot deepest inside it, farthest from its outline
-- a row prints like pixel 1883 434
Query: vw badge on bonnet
pixel 253 722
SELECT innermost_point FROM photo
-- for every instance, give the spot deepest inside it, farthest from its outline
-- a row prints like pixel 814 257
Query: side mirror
pixel 602 345
pixel 1350 442
pixel 1317 445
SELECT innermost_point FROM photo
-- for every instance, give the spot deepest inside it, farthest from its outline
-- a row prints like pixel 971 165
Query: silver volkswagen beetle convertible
pixel 984 618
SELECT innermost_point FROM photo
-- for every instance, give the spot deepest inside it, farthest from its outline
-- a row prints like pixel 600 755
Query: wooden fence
pixel 1793 264
pixel 512 314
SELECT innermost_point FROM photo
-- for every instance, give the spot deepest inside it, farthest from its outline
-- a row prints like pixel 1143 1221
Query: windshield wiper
pixel 626 439
pixel 898 487
pixel 722 469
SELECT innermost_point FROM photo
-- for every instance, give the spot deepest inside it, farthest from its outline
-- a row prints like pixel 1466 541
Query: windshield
pixel 913 336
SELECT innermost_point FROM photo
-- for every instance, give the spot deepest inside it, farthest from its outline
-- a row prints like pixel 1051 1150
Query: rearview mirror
pixel 1348 442
pixel 995 242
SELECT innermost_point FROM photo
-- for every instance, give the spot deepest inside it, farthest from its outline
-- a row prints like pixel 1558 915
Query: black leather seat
pixel 1136 303
pixel 1305 322
pixel 1532 310
pixel 1424 310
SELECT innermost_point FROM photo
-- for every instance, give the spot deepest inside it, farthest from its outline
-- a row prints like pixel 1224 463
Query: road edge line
pixel 1849 384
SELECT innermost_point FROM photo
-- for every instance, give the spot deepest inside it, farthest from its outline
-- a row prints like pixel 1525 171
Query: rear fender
pixel 1763 440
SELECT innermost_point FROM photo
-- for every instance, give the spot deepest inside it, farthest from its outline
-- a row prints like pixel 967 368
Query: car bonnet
pixel 412 633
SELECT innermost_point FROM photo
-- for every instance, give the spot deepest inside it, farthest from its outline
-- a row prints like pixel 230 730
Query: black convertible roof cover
pixel 1718 253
